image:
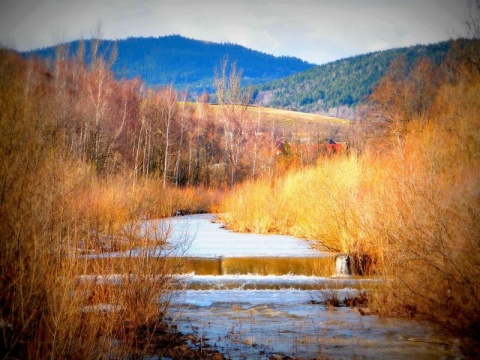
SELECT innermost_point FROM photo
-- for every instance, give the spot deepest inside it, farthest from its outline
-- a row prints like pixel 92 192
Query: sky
pixel 318 31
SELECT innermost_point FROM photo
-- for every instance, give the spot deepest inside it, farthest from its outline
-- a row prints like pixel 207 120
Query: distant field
pixel 292 122
pixel 270 114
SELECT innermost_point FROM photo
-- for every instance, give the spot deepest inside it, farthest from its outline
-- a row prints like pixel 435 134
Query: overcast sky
pixel 318 31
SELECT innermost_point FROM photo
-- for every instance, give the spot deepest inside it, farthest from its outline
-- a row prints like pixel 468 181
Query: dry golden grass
pixel 51 218
pixel 320 203
pixel 271 114
pixel 291 124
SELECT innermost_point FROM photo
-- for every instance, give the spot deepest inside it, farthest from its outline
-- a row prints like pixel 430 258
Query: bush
pixel 54 208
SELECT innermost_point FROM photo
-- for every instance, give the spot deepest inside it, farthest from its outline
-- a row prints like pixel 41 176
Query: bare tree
pixel 257 135
pixel 144 135
pixel 169 110
pixel 98 84
pixel 402 95
pixel 184 124
pixel 472 50
pixel 233 102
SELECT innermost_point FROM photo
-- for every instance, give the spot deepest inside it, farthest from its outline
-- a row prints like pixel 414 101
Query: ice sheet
pixel 202 236
pixel 210 239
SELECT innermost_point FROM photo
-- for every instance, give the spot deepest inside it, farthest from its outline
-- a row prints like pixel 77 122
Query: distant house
pixel 334 147
pixel 329 147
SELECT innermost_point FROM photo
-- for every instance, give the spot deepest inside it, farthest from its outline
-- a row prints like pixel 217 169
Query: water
pixel 342 265
pixel 252 296
pixel 255 324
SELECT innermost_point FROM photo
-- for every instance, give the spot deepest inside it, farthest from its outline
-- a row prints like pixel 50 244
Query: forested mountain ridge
pixel 335 88
pixel 184 63
pixel 338 87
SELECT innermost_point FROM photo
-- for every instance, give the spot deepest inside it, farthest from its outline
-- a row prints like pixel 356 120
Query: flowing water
pixel 253 296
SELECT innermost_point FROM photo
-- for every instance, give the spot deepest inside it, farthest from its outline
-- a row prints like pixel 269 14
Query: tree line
pixel 345 82
pixel 125 126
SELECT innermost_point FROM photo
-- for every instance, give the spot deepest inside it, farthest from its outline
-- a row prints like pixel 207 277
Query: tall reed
pixel 51 219
pixel 55 210
pixel 321 203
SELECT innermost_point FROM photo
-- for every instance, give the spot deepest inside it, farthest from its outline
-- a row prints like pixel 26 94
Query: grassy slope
pixel 287 122
pixel 272 114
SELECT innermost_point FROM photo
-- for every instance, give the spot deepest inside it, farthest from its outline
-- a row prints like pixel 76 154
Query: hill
pixel 338 87
pixel 185 63
pixel 334 89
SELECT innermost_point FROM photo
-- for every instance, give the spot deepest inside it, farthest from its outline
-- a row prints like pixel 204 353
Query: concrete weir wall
pixel 309 266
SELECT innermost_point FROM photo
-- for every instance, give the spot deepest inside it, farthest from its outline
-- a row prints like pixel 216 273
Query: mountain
pixel 338 87
pixel 334 89
pixel 185 63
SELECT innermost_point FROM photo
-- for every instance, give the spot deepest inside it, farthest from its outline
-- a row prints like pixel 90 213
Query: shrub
pixel 54 208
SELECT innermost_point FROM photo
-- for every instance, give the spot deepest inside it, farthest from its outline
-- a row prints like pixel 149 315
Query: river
pixel 257 296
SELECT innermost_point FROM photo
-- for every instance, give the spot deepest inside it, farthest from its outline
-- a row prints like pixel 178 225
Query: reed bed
pixel 57 215
pixel 407 208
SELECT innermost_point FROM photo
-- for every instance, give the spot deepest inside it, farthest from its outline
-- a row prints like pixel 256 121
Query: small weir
pixel 308 266
pixel 257 296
